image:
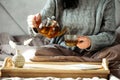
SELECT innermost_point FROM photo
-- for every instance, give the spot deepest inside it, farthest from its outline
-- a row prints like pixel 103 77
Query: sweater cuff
pixel 92 46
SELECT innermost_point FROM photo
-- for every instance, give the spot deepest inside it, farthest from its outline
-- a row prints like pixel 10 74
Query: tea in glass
pixel 50 28
pixel 70 40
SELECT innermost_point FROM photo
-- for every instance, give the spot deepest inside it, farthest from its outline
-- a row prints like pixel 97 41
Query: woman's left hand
pixel 84 42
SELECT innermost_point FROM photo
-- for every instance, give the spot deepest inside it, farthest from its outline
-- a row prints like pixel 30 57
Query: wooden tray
pixel 56 69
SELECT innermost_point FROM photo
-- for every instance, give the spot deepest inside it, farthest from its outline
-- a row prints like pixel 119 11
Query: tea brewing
pixel 50 31
pixel 50 28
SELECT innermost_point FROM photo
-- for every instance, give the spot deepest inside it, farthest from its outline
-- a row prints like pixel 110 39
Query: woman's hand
pixel 34 20
pixel 84 42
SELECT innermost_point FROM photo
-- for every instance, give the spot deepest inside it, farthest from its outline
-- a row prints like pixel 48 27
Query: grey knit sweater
pixel 92 18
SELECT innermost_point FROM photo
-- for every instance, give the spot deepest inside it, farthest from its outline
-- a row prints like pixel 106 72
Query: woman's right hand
pixel 34 20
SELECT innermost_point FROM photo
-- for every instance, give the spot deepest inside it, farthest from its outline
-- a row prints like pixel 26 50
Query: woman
pixel 93 19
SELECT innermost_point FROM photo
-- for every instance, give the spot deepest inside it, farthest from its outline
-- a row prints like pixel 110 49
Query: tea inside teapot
pixel 50 28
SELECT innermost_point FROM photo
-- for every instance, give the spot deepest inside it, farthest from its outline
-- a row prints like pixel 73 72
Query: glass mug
pixel 70 40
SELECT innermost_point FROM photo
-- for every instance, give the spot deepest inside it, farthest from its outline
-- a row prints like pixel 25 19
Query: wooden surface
pixel 30 70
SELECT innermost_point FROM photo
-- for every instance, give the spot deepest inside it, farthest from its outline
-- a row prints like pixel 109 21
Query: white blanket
pixel 55 78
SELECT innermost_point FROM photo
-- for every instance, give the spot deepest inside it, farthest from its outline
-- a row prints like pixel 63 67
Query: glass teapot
pixel 50 28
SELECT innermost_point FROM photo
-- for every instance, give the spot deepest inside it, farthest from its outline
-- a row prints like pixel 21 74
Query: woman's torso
pixel 81 21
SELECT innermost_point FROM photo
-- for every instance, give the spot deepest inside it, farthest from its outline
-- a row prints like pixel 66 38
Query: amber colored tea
pixel 71 42
pixel 50 28
pixel 49 32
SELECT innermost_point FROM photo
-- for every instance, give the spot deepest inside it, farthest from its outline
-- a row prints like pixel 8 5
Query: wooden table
pixel 55 69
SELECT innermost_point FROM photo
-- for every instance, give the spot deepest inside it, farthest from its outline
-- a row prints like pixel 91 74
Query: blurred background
pixel 13 15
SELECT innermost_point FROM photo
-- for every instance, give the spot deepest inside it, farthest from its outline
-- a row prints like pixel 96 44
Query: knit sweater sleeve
pixel 48 10
pixel 106 35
